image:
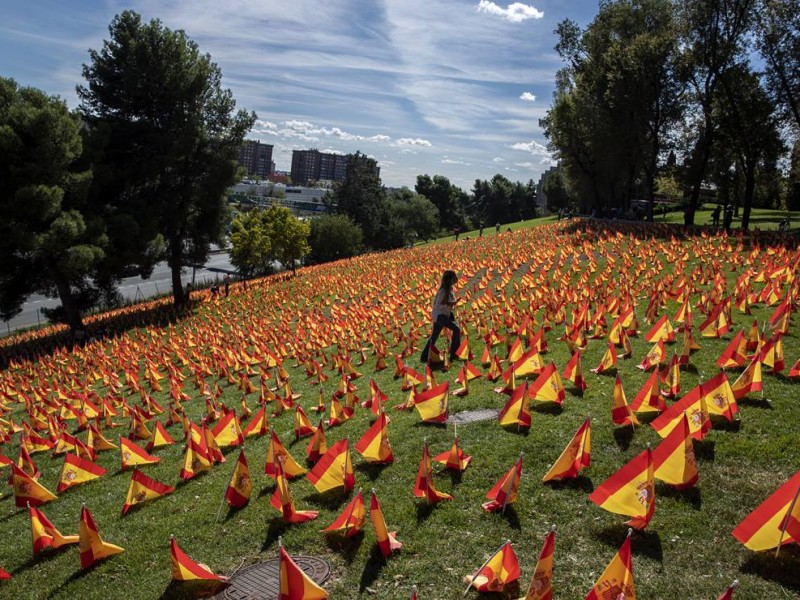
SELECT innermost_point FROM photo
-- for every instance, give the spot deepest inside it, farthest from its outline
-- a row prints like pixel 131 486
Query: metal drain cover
pixel 262 581
pixel 473 416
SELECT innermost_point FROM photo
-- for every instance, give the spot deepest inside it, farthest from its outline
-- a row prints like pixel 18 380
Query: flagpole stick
pixel 476 573
pixel 350 515
pixel 786 521
pixel 505 500
pixel 33 539
pixel 221 504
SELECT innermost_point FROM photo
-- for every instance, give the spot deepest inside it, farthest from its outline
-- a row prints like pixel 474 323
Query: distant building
pixel 303 201
pixel 256 158
pixel 316 166
pixel 541 197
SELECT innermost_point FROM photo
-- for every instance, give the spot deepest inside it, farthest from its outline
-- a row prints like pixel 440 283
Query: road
pixel 131 288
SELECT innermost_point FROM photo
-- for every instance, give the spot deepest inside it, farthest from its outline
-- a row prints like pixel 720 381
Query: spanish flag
pixel 735 353
pixel 317 445
pixel 617 579
pixel 44 534
pixel 621 413
pixel 674 460
pixel 573 371
pixel 387 543
pixel 548 386
pixel 77 470
pixel 649 398
pixel 97 442
pixel 27 490
pixel 630 491
pixel 432 404
pixel 765 527
pixel 282 500
pixel 608 360
pixel 653 358
pixel 661 331
pixel 227 433
pixel 161 437
pixel 505 490
pixel 500 570
pixel 258 425
pixel 195 460
pixel 334 469
pixel 728 593
pixel 240 485
pixel 133 455
pixel 719 396
pixel 516 410
pixel 576 456
pixel 294 583
pixel 374 444
pixel 541 586
pixel 352 519
pixel 694 404
pixel 423 485
pixel 275 451
pixel 455 458
pixel 185 569
pixel 142 489
pixel 91 546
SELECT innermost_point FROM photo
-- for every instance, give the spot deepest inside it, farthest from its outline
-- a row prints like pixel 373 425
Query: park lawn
pixel 686 551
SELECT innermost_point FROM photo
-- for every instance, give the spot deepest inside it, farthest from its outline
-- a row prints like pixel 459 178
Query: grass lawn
pixel 383 300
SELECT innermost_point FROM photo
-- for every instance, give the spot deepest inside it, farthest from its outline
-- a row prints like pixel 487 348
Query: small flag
pixel 185 569
pixel 143 488
pixel 91 546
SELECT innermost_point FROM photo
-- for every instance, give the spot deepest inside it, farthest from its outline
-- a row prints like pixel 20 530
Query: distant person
pixel 442 315
pixel 480 233
pixel 227 282
pixel 727 218
pixel 189 293
pixel 497 227
pixel 715 215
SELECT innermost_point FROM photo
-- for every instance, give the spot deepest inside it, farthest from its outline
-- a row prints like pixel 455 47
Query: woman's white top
pixel 439 306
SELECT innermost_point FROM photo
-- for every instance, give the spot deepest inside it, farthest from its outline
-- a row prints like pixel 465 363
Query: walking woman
pixel 442 315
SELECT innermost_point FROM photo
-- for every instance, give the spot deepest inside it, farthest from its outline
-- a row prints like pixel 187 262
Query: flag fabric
pixel 548 386
pixel 91 546
pixel 186 569
pixel 762 528
pixel 750 380
pixel 630 491
pixel 44 534
pixel 654 357
pixel 423 485
pixel 97 442
pixel 728 593
pixel 27 490
pixel 672 378
pixel 516 410
pixel 133 455
pixel 77 470
pixel 499 571
pixel 302 426
pixel 735 353
pixel 240 485
pixel 573 371
pixel 277 450
pixel 719 396
pixel 374 444
pixel 694 404
pixel 432 403
pixel 258 425
pixel 454 458
pixel 661 331
pixel 195 460
pixel 161 437
pixel 227 433
pixel 541 586
pixel 649 398
pixel 387 542
pixel 317 445
pixel 352 519
pixel 616 581
pixel 143 488
pixel 576 455
pixel 674 459
pixel 282 500
pixel 334 469
pixel 504 492
pixel 294 583
pixel 621 413
pixel 608 360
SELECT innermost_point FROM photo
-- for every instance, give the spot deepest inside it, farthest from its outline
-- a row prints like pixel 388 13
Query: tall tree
pixel 49 239
pixel 419 215
pixel 448 198
pixel 779 44
pixel 173 132
pixel 362 198
pixel 288 235
pixel 334 237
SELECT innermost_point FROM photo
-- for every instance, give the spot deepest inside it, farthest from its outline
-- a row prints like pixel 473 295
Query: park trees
pixel 416 215
pixel 171 133
pixel 362 198
pixel 333 237
pixel 50 241
pixel 449 200
pixel 500 200
pixel 261 237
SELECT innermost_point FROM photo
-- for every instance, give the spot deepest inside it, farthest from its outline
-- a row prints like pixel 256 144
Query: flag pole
pixel 505 500
pixel 476 573
pixel 786 521
pixel 230 482
pixel 350 514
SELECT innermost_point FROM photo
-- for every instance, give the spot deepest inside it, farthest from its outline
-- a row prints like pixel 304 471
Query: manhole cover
pixel 262 581
pixel 473 416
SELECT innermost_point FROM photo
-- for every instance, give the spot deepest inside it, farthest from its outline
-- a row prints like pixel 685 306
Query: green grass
pixel 687 550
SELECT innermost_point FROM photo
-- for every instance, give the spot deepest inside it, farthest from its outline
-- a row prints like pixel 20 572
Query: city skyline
pixel 453 88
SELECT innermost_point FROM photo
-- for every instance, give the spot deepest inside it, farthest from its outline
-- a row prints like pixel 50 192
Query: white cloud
pixel 527 97
pixel 516 12
pixel 498 159
pixel 536 149
pixel 525 165
pixel 453 161
pixel 413 142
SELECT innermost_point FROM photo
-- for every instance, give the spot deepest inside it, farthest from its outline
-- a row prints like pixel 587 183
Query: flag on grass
pixel 195 460
pixel 77 470
pixel 621 413
pixel 432 403
pixel 423 485
pixel 91 546
pixel 649 398
pixel 44 534
pixel 573 371
pixel 630 491
pixel 258 425
pixel 454 458
pixel 505 490
pixel 185 569
pixel 541 586
pixel 374 444
pixel 728 593
pixel 302 426
pixel 334 469
pixel 694 404
pixel 283 501
pixel 500 570
pixel 133 455
pixel 240 486
pixel 352 519
pixel 161 437
pixel 617 580
pixel 750 380
pixel 575 456
pixel 386 539
pixel 548 386
pixel 97 442
pixel 143 489
pixel 763 529
pixel 275 451
pixel 608 360
pixel 516 410
pixel 294 583
pixel 27 490
pixel 317 445
pixel 674 460
pixel 227 433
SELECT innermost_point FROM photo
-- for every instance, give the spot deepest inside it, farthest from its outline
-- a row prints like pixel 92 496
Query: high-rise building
pixel 313 165
pixel 256 158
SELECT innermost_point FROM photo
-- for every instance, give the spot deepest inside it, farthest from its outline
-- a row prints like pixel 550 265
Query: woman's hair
pixel 449 278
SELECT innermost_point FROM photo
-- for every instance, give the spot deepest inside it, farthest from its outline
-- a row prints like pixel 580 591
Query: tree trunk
pixel 175 264
pixel 71 311
pixel 749 193
pixel 703 154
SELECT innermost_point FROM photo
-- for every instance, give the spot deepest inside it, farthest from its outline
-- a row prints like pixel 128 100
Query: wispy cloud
pixel 536 149
pixel 414 142
pixel 516 12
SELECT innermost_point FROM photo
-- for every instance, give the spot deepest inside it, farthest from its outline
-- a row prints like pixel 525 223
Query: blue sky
pixel 443 87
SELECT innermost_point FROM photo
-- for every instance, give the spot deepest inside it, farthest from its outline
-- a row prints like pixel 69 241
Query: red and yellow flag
pixel 516 410
pixel 573 371
pixel 500 570
pixel 548 386
pixel 750 380
pixel 352 519
pixel 302 425
pixel 432 403
pixel 334 469
pixel 294 583
pixel 541 586
pixel 142 489
pixel 661 331
pixel 654 357
pixel 575 456
pixel 77 470
pixel 186 569
pixel 694 404
pixel 608 360
pixel 674 460
pixel 161 437
pixel 133 455
pixel 275 451
pixel 91 546
pixel 240 486
pixel 728 593
pixel 630 491
pixel 374 444
pixel 386 539
pixel 27 490
pixel 763 529
pixel 423 485
pixel 195 460
pixel 258 425
pixel 649 398
pixel 504 492
pixel 227 432
pixel 44 534
pixel 282 500
pixel 317 445
pixel 616 581
pixel 454 458
pixel 621 413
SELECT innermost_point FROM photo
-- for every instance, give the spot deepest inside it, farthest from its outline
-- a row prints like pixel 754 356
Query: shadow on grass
pixel 722 424
pixel 332 499
pixel 277 527
pixel 346 547
pixel 455 476
pixel 510 515
pixel 643 543
pixel 232 511
pixel 581 483
pixel 575 391
pixel 755 403
pixel 42 557
pixel 192 589
pixel 689 368
pixel 704 450
pixel 646 418
pixel 371 470
pixel 516 430
pixel 623 437
pixel 372 569
pixel 548 408
pixel 427 424
pixel 424 510
pixel 612 372
pixel 785 569
pixel 690 496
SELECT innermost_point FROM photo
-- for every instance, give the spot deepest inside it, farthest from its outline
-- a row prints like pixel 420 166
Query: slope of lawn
pixel 379 304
